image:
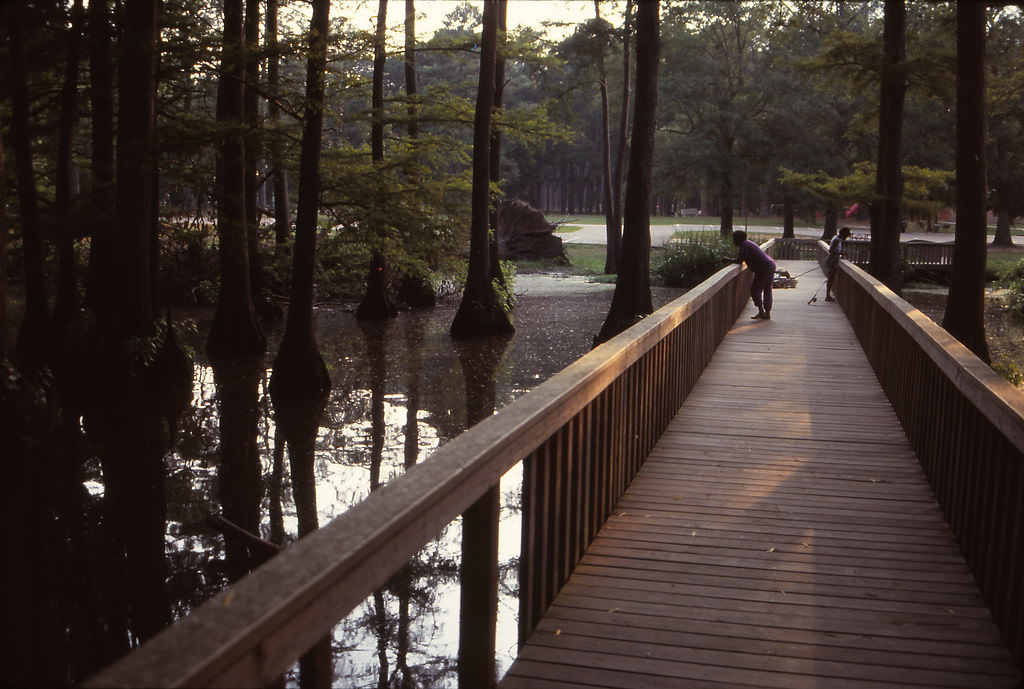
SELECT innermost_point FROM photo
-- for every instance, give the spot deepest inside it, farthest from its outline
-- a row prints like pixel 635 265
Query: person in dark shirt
pixel 763 267
pixel 835 251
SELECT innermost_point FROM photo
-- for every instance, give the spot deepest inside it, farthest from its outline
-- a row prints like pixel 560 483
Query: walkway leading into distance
pixel 781 534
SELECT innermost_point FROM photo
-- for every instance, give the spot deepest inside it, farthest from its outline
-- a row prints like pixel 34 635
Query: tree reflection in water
pixel 398 394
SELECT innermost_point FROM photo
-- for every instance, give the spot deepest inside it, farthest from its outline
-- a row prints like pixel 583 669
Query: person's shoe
pixel 830 298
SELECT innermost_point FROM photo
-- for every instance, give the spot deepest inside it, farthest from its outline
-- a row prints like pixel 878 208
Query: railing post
pixel 478 614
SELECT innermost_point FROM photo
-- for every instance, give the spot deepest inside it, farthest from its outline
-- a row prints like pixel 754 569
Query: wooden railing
pixel 966 424
pixel 915 254
pixel 582 436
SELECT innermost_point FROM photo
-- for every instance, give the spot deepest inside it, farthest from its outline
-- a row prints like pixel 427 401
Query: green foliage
pixel 1014 281
pixel 505 290
pixel 1011 371
pixel 189 261
pixel 689 260
pixel 925 191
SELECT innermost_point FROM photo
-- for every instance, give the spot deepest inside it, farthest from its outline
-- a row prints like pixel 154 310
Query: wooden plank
pixel 781 534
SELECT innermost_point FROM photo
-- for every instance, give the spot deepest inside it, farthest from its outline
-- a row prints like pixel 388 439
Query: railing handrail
pixel 250 633
pixel 966 425
pixel 914 253
pixel 998 399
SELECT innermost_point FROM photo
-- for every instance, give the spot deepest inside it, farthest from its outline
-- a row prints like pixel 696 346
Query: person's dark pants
pixel 761 290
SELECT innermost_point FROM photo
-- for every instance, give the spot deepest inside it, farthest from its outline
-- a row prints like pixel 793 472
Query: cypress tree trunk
pixel 611 258
pixel 965 307
pixel 620 156
pixel 299 370
pixel 632 298
pixel 497 276
pixel 101 102
pixel 1002 236
pixel 67 284
pixel 235 330
pixel 251 151
pixel 282 212
pixel 411 87
pixel 376 303
pixel 33 336
pixel 726 200
pixel 5 348
pixel 886 211
pixel 831 221
pixel 480 312
pixel 127 417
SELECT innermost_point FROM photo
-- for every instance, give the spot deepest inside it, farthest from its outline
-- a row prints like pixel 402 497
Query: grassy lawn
pixel 584 259
pixel 1001 260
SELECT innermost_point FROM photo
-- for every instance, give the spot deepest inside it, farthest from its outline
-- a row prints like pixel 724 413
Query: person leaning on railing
pixel 835 252
pixel 763 267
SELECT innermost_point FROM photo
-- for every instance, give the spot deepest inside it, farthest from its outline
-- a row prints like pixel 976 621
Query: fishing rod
pixel 814 297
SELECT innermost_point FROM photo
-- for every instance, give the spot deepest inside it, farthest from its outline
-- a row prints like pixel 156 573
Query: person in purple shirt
pixel 763 267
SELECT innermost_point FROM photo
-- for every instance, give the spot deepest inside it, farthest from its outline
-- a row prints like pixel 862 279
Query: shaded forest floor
pixel 1004 331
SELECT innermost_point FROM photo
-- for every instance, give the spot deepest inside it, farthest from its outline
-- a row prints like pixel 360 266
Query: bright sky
pixel 431 13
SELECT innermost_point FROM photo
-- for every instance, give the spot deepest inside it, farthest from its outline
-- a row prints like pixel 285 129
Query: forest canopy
pixel 762 105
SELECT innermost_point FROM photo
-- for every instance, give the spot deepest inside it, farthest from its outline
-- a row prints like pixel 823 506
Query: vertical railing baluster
pixel 530 550
pixel 478 614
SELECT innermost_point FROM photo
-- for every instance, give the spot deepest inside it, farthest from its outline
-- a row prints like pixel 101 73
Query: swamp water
pixel 399 392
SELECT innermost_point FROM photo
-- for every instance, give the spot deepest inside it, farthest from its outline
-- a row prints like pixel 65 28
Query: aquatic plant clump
pixel 691 258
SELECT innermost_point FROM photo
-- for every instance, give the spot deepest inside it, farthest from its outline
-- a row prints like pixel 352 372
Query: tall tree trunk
pixel 235 330
pixel 480 312
pixel 411 87
pixel 134 219
pixel 497 275
pixel 66 305
pixel 787 217
pixel 831 221
pixel 101 102
pixel 376 303
pixel 886 211
pixel 1003 237
pixel 282 212
pixel 726 200
pixel 252 150
pixel 5 344
pixel 632 298
pixel 377 105
pixel 611 256
pixel 299 370
pixel 33 336
pixel 620 156
pixel 965 306
pixel 998 168
pixel 127 417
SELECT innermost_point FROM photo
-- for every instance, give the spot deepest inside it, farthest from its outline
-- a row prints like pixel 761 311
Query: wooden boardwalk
pixel 780 535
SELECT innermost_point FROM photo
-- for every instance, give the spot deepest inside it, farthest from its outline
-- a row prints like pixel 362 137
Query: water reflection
pixel 240 474
pixel 232 494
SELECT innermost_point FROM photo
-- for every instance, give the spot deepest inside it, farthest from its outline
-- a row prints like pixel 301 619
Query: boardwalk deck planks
pixel 781 534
